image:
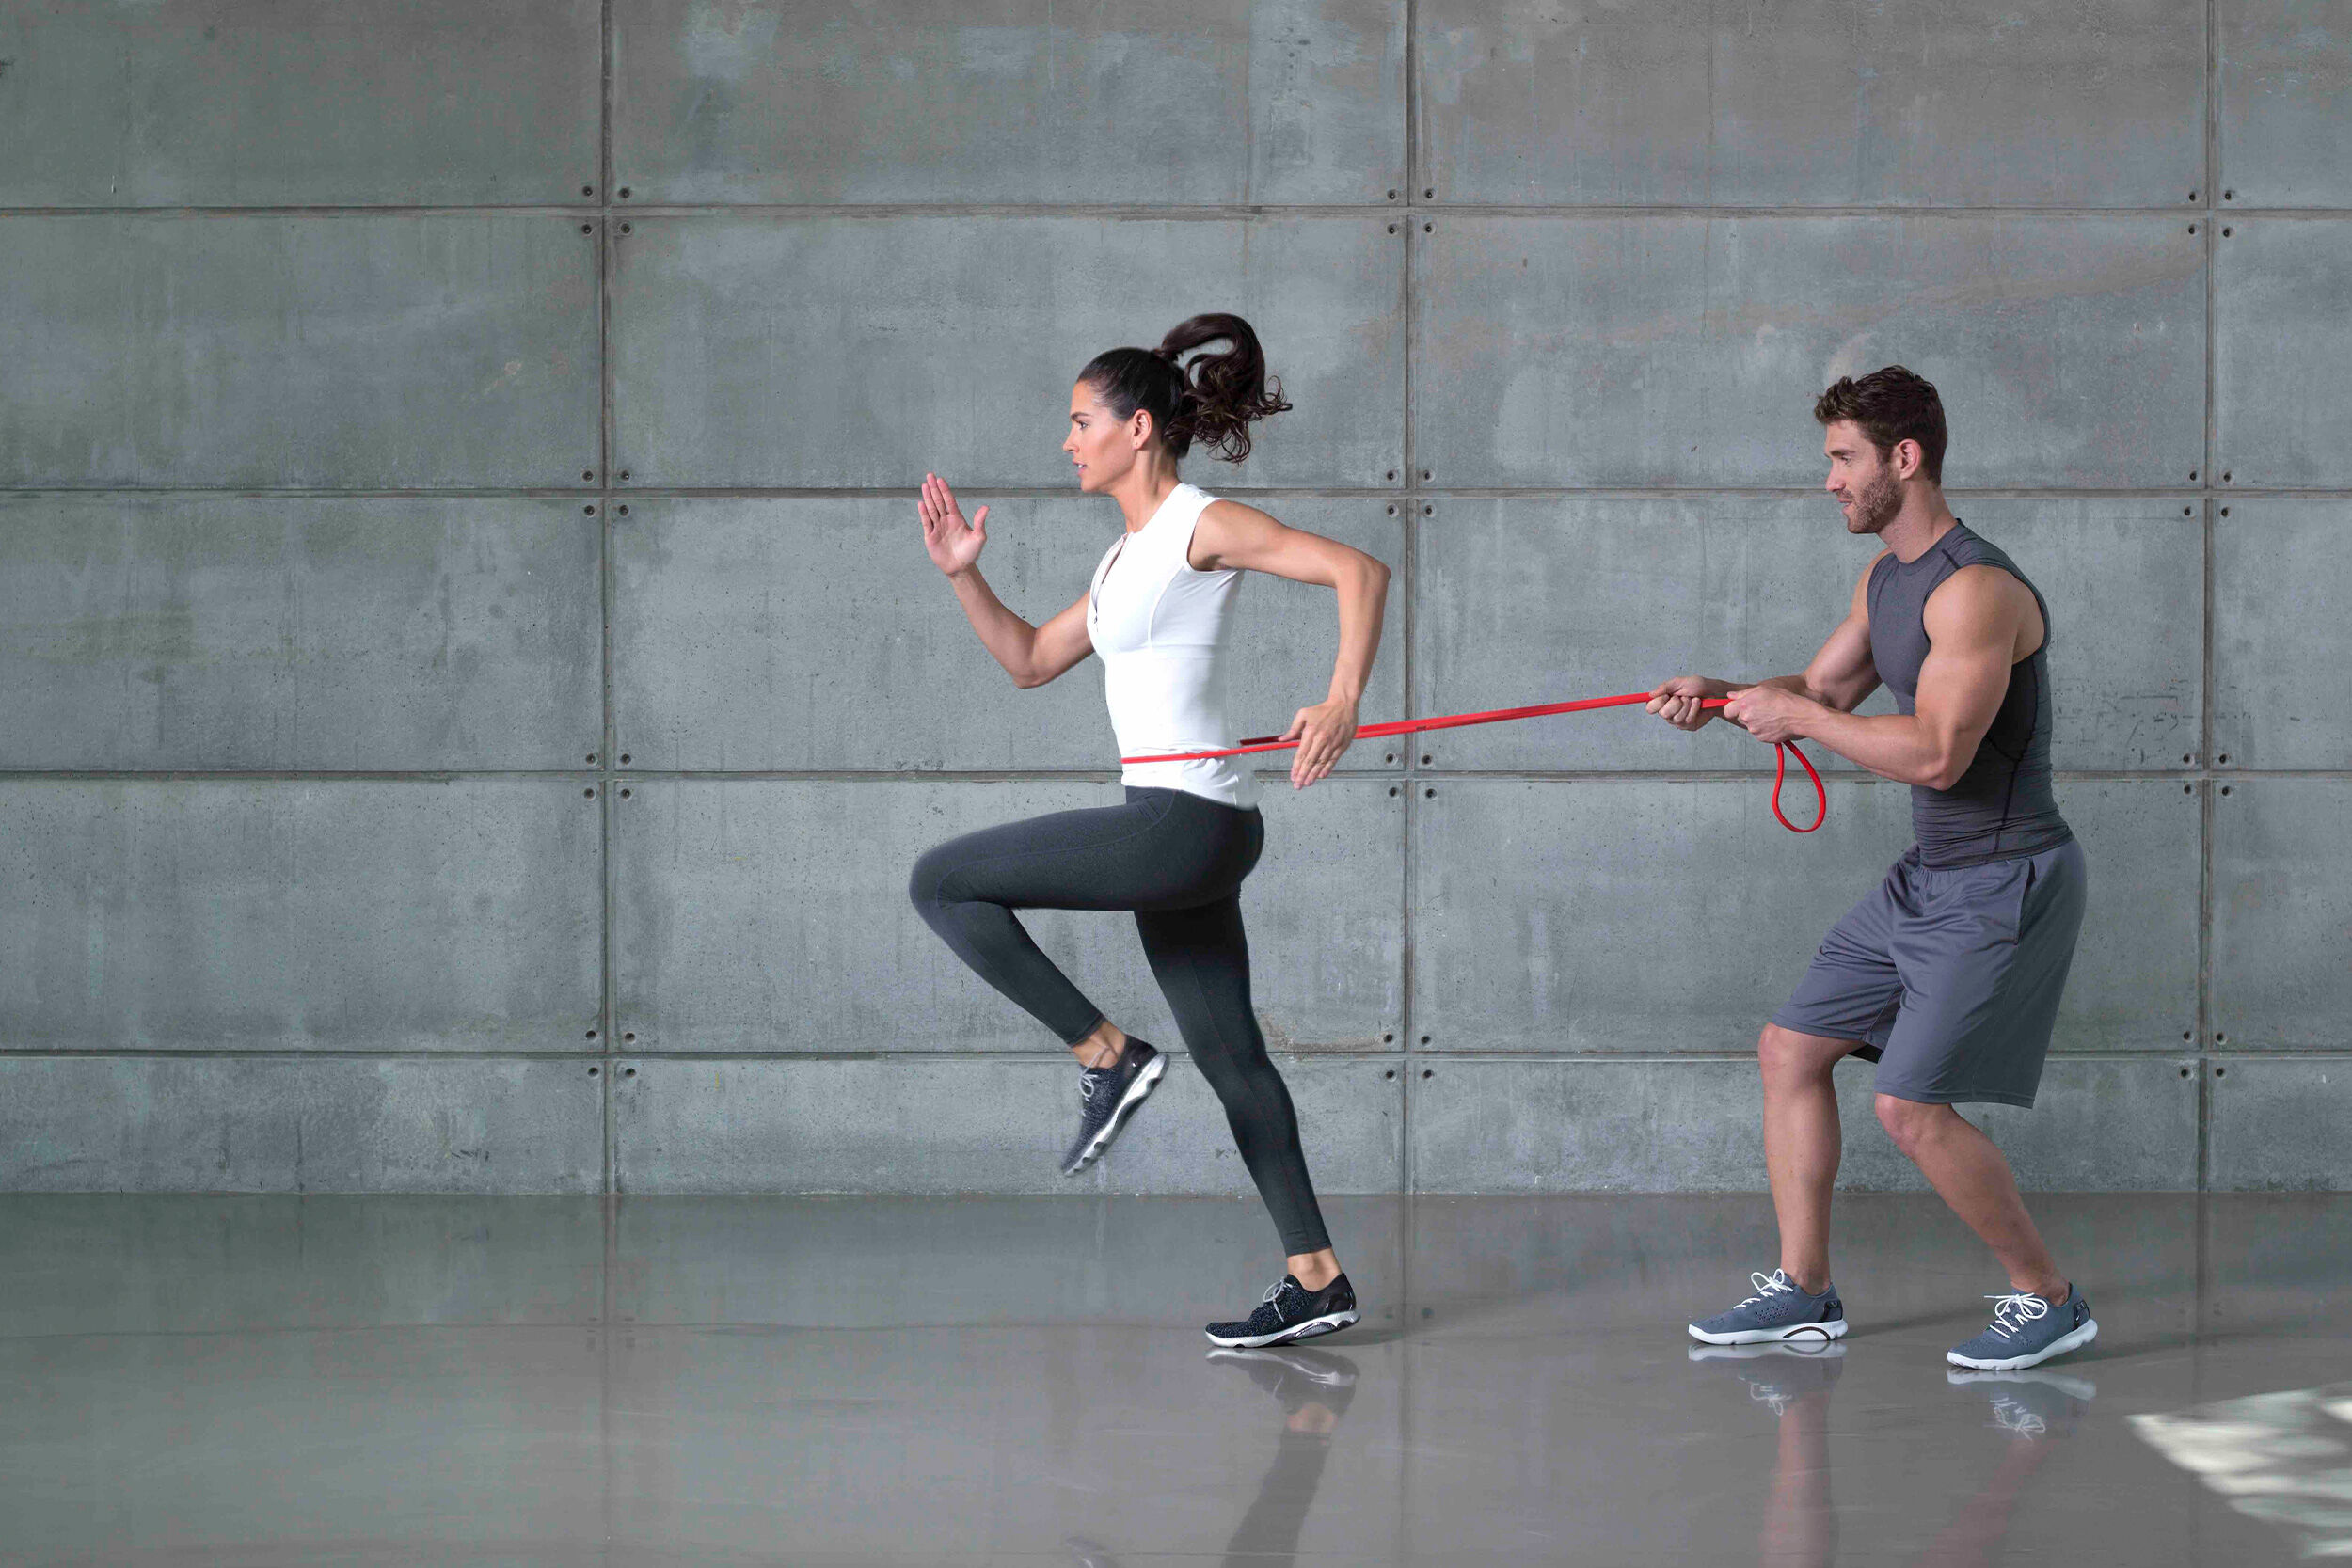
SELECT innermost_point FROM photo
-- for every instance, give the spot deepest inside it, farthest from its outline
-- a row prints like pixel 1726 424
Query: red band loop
pixel 1497 715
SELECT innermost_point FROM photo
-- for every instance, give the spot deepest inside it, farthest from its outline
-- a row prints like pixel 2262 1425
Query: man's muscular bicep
pixel 1843 672
pixel 1972 622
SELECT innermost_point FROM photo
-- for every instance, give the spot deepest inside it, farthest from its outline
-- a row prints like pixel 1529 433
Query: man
pixel 1949 975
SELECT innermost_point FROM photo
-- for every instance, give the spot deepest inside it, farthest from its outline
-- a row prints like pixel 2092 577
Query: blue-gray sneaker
pixel 2028 1330
pixel 1778 1311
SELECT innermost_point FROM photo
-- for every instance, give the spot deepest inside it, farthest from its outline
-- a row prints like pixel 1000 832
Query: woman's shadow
pixel 1314 1388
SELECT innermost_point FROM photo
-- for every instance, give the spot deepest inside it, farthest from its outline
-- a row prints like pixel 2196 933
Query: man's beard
pixel 1876 505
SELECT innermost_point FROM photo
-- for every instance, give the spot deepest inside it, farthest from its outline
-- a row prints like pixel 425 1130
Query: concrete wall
pixel 470 688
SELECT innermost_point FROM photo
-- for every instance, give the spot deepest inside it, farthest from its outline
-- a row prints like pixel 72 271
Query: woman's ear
pixel 1139 427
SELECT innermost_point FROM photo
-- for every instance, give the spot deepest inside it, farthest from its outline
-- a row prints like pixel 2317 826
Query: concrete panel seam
pixel 1212 214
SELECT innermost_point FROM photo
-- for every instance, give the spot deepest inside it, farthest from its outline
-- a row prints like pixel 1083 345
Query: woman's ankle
pixel 1314 1270
pixel 1101 1047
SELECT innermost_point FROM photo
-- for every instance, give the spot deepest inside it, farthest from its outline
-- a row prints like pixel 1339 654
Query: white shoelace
pixel 1775 1284
pixel 2028 1307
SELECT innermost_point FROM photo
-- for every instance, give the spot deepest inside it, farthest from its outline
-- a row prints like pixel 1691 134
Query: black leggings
pixel 1177 860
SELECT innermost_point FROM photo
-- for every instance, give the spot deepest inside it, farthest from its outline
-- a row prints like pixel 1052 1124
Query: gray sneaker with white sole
pixel 1778 1311
pixel 2026 1331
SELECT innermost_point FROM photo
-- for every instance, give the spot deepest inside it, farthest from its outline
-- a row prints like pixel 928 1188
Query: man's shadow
pixel 2034 1411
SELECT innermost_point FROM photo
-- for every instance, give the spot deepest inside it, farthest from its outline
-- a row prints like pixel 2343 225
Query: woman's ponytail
pixel 1212 401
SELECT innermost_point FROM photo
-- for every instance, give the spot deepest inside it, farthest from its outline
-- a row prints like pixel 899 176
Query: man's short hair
pixel 1891 405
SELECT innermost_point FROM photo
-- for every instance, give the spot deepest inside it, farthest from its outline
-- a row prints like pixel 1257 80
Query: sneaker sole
pixel 1314 1328
pixel 1126 1107
pixel 2075 1340
pixel 1834 1329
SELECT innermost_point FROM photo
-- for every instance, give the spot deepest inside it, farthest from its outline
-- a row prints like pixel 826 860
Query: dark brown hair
pixel 1891 405
pixel 1211 401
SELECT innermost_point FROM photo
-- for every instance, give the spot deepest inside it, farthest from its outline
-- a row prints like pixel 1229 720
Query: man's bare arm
pixel 1841 676
pixel 1979 623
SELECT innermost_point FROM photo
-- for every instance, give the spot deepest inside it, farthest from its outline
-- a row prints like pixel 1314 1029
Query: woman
pixel 1158 611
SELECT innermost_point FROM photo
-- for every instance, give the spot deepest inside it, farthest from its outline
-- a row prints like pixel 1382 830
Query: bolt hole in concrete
pixel 2225 476
pixel 1424 759
pixel 1392 228
pixel 628 1073
pixel 1387 1037
pixel 1428 510
pixel 624 193
pixel 2225 512
pixel 624 474
pixel 587 228
pixel 1428 228
pixel 624 511
pixel 591 1034
pixel 2192 228
pixel 2188 511
pixel 591 756
pixel 1425 1072
pixel 1429 193
pixel 2226 233
pixel 587 511
pixel 625 759
pixel 1392 197
pixel 587 190
pixel 2229 196
pixel 624 795
pixel 627 230
pixel 1390 1073
pixel 594 1072
pixel 588 794
pixel 1393 792
pixel 629 1039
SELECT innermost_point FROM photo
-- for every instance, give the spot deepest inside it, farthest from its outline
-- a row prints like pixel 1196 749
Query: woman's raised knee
pixel 932 869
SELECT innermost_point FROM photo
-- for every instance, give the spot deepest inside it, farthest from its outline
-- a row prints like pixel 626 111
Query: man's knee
pixel 1787 1058
pixel 1910 1123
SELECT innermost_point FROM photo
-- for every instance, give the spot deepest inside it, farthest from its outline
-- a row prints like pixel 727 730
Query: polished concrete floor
pixel 737 1380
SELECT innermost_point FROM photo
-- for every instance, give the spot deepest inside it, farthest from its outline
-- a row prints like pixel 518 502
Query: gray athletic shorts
pixel 1950 978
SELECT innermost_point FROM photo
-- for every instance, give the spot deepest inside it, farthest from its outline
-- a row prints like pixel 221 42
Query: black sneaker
pixel 1291 1311
pixel 1108 1095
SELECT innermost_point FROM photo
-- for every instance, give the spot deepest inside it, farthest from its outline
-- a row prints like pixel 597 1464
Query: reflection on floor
pixel 740 1381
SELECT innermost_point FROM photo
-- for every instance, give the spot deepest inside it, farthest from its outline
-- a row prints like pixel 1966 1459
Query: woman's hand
pixel 1322 733
pixel 953 544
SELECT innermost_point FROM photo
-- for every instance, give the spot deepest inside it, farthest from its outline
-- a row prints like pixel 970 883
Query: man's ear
pixel 1909 454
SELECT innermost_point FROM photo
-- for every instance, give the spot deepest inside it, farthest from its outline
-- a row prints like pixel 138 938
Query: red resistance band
pixel 1459 721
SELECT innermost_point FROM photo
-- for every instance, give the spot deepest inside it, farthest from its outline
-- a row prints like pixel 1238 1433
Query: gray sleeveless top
pixel 2002 806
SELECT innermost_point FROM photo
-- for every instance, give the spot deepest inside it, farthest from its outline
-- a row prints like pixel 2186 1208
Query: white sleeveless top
pixel 1161 629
